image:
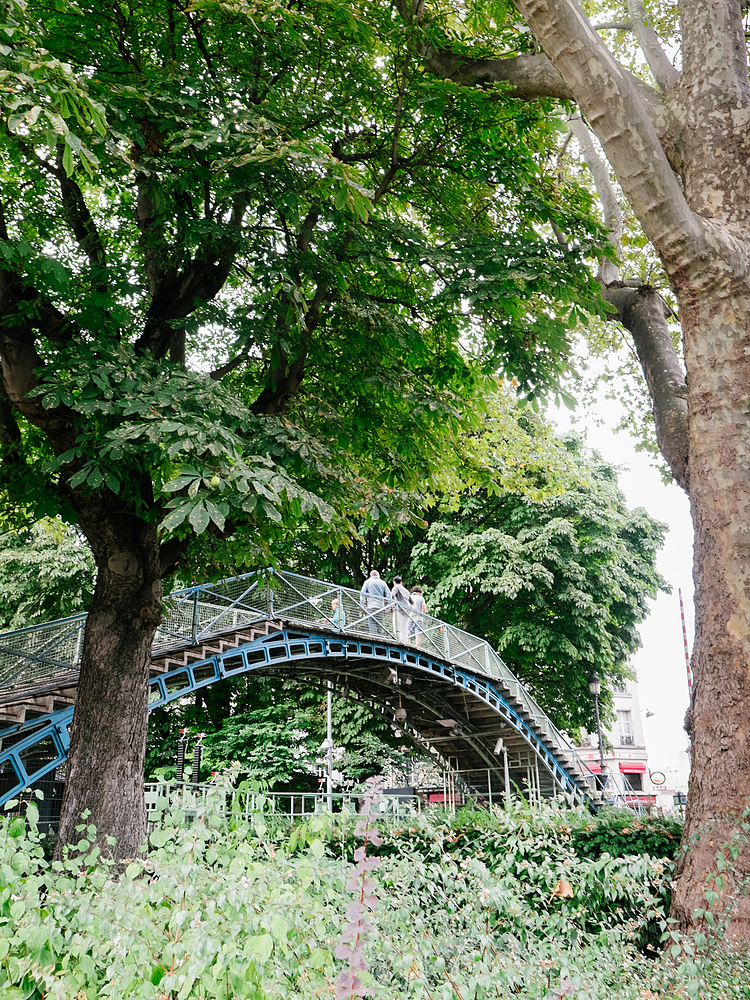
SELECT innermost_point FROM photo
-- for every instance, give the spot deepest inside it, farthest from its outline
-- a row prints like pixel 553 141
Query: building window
pixel 620 689
pixel 625 728
pixel 635 781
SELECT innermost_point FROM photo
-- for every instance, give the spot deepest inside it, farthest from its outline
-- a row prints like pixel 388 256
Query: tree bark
pixel 715 329
pixel 692 222
pixel 108 738
pixel 643 313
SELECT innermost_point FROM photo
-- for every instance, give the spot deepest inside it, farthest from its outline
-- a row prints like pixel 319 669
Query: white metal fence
pixel 196 801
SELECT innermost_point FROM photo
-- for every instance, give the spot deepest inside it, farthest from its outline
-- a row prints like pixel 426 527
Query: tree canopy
pixel 285 204
pixel 255 267
pixel 558 586
pixel 46 572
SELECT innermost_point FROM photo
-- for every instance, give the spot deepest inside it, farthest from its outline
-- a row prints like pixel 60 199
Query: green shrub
pixel 222 913
pixel 618 832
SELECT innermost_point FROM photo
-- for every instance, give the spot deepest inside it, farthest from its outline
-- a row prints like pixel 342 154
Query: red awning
pixel 632 767
pixel 596 768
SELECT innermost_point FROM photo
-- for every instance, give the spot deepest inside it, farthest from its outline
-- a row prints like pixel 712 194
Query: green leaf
pixel 67 159
pixel 199 518
pixel 259 948
pixel 175 518
pixel 79 477
pixel 159 837
pixel 215 514
pixel 96 478
pixel 113 483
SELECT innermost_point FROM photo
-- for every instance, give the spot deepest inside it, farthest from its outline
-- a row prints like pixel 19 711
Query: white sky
pixel 660 663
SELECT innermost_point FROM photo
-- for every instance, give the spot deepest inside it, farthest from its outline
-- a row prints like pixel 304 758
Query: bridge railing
pixel 41 654
pixel 41 651
pixel 308 600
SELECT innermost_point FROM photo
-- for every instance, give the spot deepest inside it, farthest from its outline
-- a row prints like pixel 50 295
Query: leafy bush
pixel 617 832
pixel 222 913
pixel 533 851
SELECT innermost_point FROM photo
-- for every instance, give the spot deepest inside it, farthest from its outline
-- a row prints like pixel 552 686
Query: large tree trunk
pixel 716 321
pixel 108 740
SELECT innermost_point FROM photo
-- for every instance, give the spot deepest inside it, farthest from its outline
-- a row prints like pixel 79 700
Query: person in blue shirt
pixel 375 592
pixel 339 615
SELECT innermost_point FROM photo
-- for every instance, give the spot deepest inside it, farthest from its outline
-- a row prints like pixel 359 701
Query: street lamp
pixel 595 687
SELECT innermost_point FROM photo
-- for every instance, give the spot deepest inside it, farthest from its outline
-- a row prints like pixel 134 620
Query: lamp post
pixel 595 687
pixel 329 749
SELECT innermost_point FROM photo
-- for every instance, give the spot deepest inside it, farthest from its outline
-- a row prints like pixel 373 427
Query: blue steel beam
pixel 288 646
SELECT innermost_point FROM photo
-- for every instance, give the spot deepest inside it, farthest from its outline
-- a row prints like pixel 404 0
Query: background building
pixel 627 760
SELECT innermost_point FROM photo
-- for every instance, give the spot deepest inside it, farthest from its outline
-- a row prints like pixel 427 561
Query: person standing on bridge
pixel 401 609
pixel 339 615
pixel 418 611
pixel 375 592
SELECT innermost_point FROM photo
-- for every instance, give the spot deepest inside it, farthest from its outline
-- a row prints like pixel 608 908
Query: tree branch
pixel 285 379
pixel 664 72
pixel 54 325
pixel 607 96
pixel 392 170
pixel 78 216
pixel 614 26
pixel 530 76
pixel 218 373
pixel 74 204
pixel 605 189
pixel 20 361
pixel 176 293
pixel 642 312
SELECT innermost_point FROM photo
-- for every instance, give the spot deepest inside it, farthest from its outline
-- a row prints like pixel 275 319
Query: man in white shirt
pixel 375 592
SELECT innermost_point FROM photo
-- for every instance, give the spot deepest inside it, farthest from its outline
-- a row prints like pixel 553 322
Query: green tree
pixel 558 586
pixel 274 730
pixel 513 450
pixel 46 571
pixel 241 249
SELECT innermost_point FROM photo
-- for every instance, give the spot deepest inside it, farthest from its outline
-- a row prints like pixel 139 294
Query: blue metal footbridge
pixel 446 690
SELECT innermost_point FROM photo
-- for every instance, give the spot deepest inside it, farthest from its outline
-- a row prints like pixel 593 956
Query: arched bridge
pixel 447 690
